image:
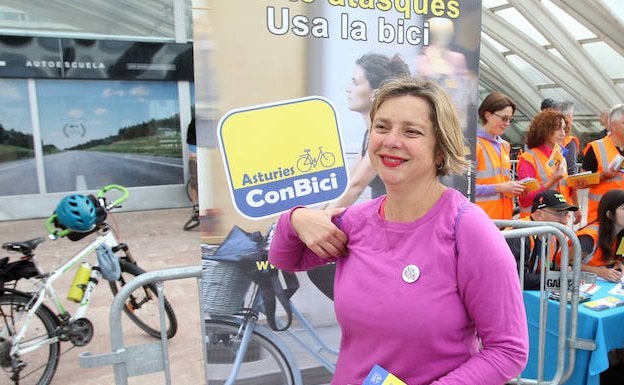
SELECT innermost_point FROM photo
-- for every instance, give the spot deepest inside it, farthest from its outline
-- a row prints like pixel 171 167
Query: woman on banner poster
pixel 369 73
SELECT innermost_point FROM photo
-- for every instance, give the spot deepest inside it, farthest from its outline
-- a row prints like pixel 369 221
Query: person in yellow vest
pixel 548 206
pixel 495 189
pixel 540 163
pixel 602 156
pixel 601 241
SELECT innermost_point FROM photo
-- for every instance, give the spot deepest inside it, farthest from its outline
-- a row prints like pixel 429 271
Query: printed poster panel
pixel 291 155
pixel 257 60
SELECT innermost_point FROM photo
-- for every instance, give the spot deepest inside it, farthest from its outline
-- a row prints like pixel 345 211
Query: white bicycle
pixel 31 332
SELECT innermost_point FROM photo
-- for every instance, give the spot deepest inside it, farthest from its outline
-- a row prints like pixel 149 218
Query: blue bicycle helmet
pixel 76 212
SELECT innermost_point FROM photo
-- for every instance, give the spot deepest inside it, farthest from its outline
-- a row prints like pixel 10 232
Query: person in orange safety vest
pixel 601 242
pixel 605 156
pixel 495 188
pixel 571 143
pixel 540 162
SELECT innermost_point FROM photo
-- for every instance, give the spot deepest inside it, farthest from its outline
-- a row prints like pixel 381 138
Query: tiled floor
pixel 157 241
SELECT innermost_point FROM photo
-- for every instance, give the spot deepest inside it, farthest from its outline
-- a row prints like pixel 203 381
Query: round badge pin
pixel 411 273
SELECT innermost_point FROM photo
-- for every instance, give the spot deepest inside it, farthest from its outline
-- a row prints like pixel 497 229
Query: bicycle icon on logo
pixel 306 162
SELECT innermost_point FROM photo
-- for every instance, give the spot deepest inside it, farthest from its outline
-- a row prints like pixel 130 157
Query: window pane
pixel 17 159
pixel 153 18
pixel 96 133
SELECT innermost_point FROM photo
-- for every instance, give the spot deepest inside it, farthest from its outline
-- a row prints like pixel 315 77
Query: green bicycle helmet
pixel 77 213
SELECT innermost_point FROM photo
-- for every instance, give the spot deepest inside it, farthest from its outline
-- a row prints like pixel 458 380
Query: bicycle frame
pixel 321 346
pixel 247 321
pixel 46 290
pixel 248 324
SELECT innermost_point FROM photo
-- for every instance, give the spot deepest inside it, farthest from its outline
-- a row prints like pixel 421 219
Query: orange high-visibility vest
pixel 539 161
pixel 605 151
pixel 595 257
pixel 493 168
pixel 570 138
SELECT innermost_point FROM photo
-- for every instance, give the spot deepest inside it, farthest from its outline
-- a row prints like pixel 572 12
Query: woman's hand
pixel 611 275
pixel 577 216
pixel 510 188
pixel 318 232
pixel 608 173
pixel 559 174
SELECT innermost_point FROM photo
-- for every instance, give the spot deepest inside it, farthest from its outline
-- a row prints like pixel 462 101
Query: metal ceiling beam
pixel 495 82
pixel 497 63
pixel 569 48
pixel 596 17
pixel 557 70
pixel 82 16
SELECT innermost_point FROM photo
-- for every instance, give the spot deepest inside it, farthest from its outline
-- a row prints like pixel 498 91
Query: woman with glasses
pixel 543 161
pixel 601 242
pixel 495 188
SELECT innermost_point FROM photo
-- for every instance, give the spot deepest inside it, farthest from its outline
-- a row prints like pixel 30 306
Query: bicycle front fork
pixel 248 326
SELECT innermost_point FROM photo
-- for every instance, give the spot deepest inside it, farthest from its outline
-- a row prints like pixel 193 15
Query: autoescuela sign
pixel 61 58
pixel 282 155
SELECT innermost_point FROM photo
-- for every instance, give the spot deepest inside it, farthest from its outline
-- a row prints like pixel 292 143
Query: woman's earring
pixel 440 165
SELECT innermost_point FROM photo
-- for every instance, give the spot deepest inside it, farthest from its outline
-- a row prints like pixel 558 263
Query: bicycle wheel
pixel 142 305
pixel 40 364
pixel 327 159
pixel 304 164
pixel 263 363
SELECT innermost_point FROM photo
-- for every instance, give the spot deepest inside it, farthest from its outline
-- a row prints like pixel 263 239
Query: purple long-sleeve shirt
pixel 423 332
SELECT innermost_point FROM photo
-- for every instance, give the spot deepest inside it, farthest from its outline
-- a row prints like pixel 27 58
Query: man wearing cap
pixel 548 206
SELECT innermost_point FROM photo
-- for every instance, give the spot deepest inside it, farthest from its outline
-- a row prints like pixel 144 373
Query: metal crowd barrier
pixel 567 332
pixel 130 361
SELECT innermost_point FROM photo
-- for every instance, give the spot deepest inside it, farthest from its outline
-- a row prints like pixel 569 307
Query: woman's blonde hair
pixel 443 116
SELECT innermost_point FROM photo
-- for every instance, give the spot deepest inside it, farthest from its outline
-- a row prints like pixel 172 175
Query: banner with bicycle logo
pixel 282 155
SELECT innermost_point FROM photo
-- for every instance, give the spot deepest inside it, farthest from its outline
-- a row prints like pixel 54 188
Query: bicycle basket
pixel 226 271
pixel 224 287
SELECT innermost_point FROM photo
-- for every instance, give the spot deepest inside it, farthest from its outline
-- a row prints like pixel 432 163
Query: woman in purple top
pixel 425 284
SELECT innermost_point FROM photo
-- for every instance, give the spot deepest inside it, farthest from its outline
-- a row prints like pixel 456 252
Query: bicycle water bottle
pixel 76 290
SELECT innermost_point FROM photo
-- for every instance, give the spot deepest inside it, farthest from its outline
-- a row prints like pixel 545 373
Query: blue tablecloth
pixel 605 327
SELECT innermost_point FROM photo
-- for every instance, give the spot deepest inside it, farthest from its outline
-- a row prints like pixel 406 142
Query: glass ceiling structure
pixel 567 50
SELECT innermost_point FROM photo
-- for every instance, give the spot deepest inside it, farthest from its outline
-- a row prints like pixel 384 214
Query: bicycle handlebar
pixel 54 232
pixel 117 202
